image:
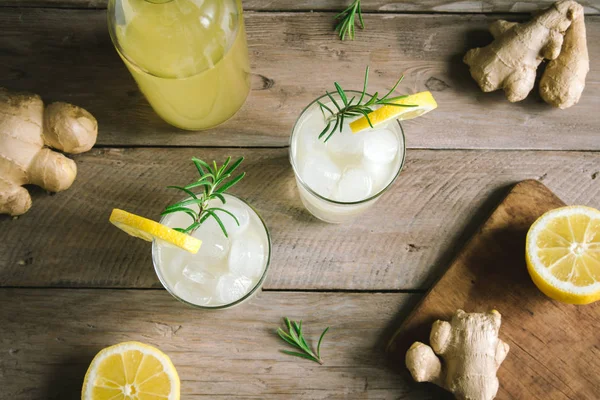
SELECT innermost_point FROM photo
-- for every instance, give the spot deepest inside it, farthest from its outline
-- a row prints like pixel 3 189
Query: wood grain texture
pixel 554 347
pixel 67 55
pixel 434 6
pixel 224 354
pixel 403 242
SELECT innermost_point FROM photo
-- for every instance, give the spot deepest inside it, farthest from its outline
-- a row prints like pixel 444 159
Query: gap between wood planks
pixel 322 291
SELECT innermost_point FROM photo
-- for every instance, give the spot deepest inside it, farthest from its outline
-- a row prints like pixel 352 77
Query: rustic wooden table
pixel 72 284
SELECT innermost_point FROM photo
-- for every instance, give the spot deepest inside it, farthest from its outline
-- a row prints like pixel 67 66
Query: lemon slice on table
pixel 147 229
pixel 563 254
pixel 424 101
pixel 131 370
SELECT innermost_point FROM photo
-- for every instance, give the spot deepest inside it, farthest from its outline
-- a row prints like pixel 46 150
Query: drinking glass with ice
pixel 341 178
pixel 226 270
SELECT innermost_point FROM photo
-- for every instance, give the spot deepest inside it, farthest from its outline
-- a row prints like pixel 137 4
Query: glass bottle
pixel 189 57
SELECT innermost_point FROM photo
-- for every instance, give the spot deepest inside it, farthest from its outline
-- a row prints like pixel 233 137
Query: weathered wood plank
pixel 67 55
pixel 224 354
pixel 403 242
pixel 435 6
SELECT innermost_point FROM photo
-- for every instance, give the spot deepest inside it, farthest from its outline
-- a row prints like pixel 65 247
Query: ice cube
pixel 320 173
pixel 381 174
pixel 192 293
pixel 231 288
pixel 247 256
pixel 237 208
pixel 345 146
pixel 381 146
pixel 308 131
pixel 214 243
pixel 199 274
pixel 355 185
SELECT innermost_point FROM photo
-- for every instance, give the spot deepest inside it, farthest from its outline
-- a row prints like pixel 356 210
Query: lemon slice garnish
pixel 424 101
pixel 131 370
pixel 563 254
pixel 147 229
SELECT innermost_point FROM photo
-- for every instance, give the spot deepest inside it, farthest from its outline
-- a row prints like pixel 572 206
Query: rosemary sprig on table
pixel 351 109
pixel 347 20
pixel 215 181
pixel 295 337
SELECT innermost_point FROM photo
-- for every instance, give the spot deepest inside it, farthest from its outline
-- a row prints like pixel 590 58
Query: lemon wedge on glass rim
pixel 148 230
pixel 563 254
pixel 131 370
pixel 424 102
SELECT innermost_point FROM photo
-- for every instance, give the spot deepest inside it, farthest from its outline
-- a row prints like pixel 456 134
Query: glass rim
pixel 122 53
pixel 343 203
pixel 257 286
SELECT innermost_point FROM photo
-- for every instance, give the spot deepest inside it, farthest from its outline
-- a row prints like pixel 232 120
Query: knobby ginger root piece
pixel 27 132
pixel 511 60
pixel 564 78
pixel 472 353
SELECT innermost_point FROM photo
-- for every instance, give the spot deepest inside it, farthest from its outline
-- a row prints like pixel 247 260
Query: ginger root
pixel 472 354
pixel 511 60
pixel 564 78
pixel 27 132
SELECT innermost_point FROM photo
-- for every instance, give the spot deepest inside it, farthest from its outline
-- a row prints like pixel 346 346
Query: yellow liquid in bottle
pixel 189 57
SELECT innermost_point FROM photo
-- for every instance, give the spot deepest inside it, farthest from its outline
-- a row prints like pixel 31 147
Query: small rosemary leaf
pixel 301 355
pixel 393 87
pixel 230 183
pixel 397 98
pixel 215 168
pixel 220 197
pixel 192 227
pixel 290 329
pixel 360 18
pixel 333 100
pixel 320 340
pixel 341 122
pixel 287 338
pixel 324 131
pixel 186 210
pixel 225 164
pixel 362 95
pixel 189 192
pixel 351 26
pixel 199 165
pixel 341 93
pixel 297 327
pixel 372 100
pixel 399 105
pixel 227 212
pixel 216 217
pixel 351 100
pixel 179 230
pixel 323 106
pixel 234 166
pixel 196 184
pixel 186 203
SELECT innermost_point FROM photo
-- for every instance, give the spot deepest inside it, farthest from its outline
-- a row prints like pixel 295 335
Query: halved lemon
pixel 147 229
pixel 563 254
pixel 128 371
pixel 424 101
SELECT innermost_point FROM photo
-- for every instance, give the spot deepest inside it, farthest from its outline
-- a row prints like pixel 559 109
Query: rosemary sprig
pixel 347 20
pixel 295 337
pixel 349 108
pixel 215 181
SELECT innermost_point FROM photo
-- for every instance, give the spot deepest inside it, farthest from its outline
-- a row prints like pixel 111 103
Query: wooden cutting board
pixel 554 347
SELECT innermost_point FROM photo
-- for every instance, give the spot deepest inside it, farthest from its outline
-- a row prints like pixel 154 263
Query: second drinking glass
pixel 341 178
